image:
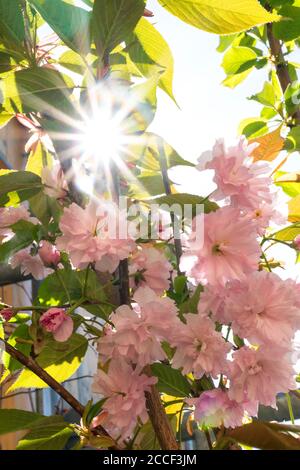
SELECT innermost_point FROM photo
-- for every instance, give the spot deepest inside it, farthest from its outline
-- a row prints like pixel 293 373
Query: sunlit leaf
pixel 217 16
pixel 263 435
pixel 270 145
pixel 113 21
pixel 60 360
pixel 151 54
pixel 70 22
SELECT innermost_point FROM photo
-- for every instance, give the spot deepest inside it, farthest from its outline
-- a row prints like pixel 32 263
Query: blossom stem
pixel 277 241
pixel 290 407
pixel 168 190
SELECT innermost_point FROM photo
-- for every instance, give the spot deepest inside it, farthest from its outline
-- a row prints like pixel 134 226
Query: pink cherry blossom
pixel 138 332
pixel 199 348
pixel 10 216
pixel 212 303
pixel 7 313
pixel 124 388
pixel 246 183
pixel 54 181
pixel 49 254
pixel 29 264
pixel 56 321
pixel 150 267
pixel 230 249
pixel 260 374
pixel 215 409
pixel 271 315
pixel 88 237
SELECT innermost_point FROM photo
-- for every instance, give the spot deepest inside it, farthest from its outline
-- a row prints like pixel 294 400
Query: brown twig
pixel 159 419
pixel 280 63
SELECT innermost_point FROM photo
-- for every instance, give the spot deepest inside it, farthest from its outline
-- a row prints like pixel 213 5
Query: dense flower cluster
pixel 238 338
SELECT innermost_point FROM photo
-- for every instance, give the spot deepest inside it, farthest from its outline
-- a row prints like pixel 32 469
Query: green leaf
pixel 51 293
pixel 292 97
pixel 151 54
pixel 253 127
pixel 12 29
pixel 69 22
pixel 171 381
pixel 44 207
pixel 183 199
pixel 60 360
pixel 288 234
pixel 225 42
pixel 147 153
pixel 51 433
pixel 25 234
pixel 234 80
pixel 217 16
pixel 267 96
pixel 238 59
pixel 191 305
pixel 292 142
pixel 263 435
pixel 147 185
pixel 289 28
pixel 24 183
pixel 15 420
pixel 9 362
pixel 37 89
pixel 112 22
pixel 291 187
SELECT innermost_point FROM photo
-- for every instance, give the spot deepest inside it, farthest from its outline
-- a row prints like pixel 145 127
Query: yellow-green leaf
pixel 294 209
pixel 38 160
pixel 60 360
pixel 219 16
pixel 151 54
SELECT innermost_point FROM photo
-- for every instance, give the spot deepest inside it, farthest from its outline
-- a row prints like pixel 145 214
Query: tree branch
pixel 56 386
pixel 159 420
pixel 280 64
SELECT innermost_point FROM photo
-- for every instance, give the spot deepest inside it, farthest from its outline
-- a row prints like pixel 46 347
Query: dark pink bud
pixel 148 13
pixel 57 322
pixel 7 313
pixel 49 254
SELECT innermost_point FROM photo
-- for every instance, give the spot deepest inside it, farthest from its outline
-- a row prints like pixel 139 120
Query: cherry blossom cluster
pixel 241 335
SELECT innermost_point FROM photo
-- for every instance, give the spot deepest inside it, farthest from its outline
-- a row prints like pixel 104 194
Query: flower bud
pixel 148 13
pixel 297 242
pixel 7 313
pixel 49 254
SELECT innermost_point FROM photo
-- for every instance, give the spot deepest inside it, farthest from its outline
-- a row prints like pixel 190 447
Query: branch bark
pixel 159 420
pixel 280 64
